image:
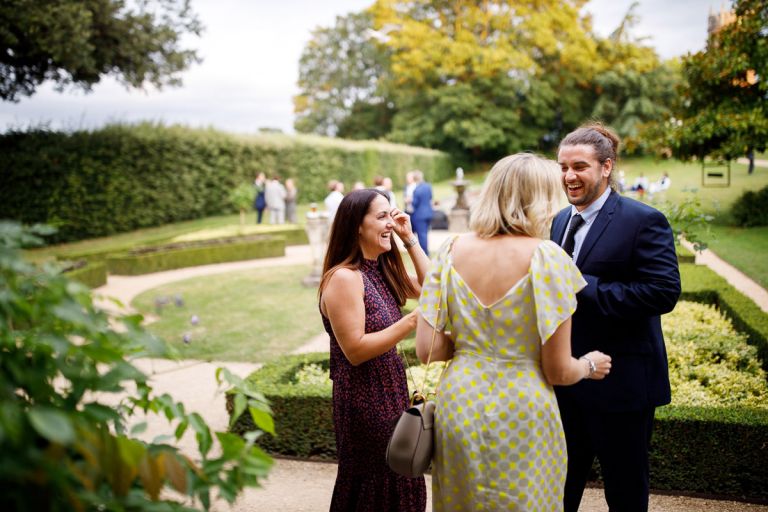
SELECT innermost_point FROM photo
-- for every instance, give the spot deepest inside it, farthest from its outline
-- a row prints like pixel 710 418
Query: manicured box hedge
pixel 701 284
pixel 124 177
pixel 190 254
pixel 93 274
pixel 721 451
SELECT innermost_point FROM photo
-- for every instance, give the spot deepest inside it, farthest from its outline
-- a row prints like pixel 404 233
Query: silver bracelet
pixel 592 366
pixel 410 242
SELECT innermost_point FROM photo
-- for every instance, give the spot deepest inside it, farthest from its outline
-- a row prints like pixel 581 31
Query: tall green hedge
pixel 124 177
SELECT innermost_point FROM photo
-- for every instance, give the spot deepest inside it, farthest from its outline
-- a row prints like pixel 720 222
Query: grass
pixel 686 180
pixel 254 316
pixel 741 248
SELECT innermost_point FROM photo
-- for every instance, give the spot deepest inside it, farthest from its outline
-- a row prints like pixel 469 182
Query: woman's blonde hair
pixel 519 197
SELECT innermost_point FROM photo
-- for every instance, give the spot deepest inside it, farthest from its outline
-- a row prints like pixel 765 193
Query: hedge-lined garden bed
pixel 700 284
pixel 144 260
pixel 124 177
pixel 720 448
pixel 91 273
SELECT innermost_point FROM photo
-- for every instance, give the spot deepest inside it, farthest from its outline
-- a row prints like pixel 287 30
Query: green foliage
pixel 241 198
pixel 722 109
pixel 751 209
pixel 342 78
pixel 478 80
pixel 78 42
pixel 701 284
pixel 189 254
pixel 92 274
pixel 64 444
pixel 709 363
pixel 303 412
pixel 688 221
pixel 121 178
pixel 711 450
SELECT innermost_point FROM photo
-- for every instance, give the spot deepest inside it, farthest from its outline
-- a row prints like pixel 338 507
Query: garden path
pixel 295 485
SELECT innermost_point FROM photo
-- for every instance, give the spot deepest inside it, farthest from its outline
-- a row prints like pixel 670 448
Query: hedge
pixel 124 177
pixel 189 254
pixel 92 274
pixel 702 284
pixel 719 451
pixel 293 235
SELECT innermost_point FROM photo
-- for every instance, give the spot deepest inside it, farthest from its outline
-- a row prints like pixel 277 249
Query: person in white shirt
pixel 333 199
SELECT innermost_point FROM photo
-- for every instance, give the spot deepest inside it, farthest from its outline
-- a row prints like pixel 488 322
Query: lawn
pixel 686 181
pixel 253 316
pixel 742 247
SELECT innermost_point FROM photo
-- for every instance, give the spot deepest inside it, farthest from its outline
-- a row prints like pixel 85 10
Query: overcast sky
pixel 250 52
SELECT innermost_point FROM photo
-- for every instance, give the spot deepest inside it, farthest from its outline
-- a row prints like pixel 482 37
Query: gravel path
pixel 297 486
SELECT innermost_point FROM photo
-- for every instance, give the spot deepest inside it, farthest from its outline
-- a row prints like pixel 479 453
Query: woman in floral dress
pixel 364 286
pixel 506 295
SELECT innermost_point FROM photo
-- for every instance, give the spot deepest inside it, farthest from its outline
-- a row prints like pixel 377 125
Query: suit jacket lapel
pixel 596 230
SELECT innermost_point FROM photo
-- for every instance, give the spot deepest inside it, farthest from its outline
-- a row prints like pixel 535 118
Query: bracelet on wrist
pixel 592 366
pixel 410 242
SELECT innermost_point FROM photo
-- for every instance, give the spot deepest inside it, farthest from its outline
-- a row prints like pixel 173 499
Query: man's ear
pixel 607 168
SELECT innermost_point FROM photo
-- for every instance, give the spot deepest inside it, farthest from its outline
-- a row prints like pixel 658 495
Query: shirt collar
pixel 590 212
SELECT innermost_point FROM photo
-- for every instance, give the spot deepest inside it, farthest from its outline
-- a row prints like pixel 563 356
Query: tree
pixel 68 391
pixel 342 78
pixel 241 198
pixel 723 112
pixel 74 42
pixel 442 51
pixel 634 88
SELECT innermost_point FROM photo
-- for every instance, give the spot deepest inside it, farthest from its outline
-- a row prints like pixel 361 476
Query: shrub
pixel 121 177
pixel 91 274
pixel 750 208
pixel 188 254
pixel 701 284
pixel 63 442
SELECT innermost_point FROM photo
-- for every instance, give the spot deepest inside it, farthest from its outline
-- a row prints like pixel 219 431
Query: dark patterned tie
pixel 570 238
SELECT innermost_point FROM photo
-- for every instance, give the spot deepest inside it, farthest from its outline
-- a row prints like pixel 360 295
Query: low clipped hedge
pixel 189 254
pixel 92 274
pixel 719 451
pixel 303 414
pixel 701 284
pixel 722 451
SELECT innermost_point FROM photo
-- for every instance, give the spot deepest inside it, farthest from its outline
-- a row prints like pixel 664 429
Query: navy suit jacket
pixel 628 260
pixel 422 202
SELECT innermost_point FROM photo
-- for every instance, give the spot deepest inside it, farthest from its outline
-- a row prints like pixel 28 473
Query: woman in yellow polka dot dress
pixel 501 298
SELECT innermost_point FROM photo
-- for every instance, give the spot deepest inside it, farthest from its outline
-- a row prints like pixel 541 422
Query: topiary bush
pixel 750 208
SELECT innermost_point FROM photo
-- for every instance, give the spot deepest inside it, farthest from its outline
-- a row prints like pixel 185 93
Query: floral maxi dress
pixel 367 402
pixel 499 439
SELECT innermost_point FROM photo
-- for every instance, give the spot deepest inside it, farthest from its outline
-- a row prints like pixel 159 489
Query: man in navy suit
pixel 422 209
pixel 626 253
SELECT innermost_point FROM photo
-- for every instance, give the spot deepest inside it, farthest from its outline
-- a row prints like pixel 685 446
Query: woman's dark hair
pixel 604 141
pixel 344 246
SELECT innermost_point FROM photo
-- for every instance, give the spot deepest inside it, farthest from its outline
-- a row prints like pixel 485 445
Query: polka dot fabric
pixel 499 440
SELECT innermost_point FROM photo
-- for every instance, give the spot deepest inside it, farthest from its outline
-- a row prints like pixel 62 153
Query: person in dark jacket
pixel 259 201
pixel 625 251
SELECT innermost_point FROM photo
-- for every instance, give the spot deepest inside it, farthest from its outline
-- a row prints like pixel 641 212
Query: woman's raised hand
pixel 401 223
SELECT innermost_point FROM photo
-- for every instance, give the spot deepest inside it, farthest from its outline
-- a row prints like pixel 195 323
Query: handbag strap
pixel 417 395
